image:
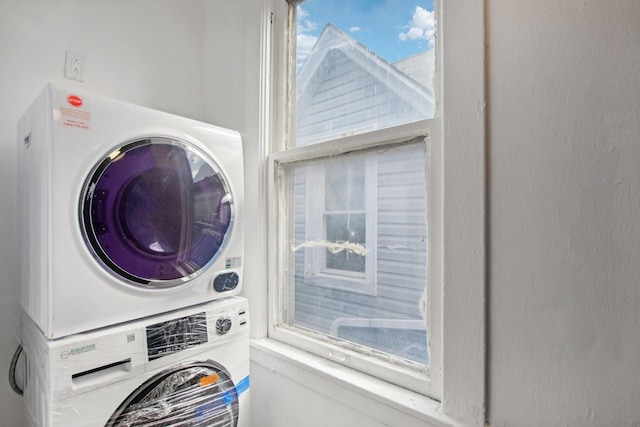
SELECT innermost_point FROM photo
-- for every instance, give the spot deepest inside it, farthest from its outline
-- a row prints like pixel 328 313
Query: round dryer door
pixel 193 395
pixel 156 212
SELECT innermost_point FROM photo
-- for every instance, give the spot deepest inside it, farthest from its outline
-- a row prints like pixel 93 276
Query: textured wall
pixel 564 148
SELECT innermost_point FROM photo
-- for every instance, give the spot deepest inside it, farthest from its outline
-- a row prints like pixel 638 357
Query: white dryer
pixel 125 211
pixel 185 368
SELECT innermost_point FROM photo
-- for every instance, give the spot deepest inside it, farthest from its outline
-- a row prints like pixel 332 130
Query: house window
pixel 350 189
pixel 337 207
pixel 344 217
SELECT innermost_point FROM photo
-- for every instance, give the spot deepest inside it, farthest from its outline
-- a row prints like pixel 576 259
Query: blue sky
pixel 394 29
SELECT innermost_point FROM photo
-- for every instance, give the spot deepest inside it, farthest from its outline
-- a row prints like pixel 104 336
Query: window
pixel 455 197
pixel 351 190
pixel 337 207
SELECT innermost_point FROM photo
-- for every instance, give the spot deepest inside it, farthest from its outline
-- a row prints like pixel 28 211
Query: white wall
pixel 147 52
pixel 225 38
pixel 564 149
pixel 281 401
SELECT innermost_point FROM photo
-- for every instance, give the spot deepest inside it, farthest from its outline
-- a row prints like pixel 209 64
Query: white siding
pixel 401 251
pixel 343 88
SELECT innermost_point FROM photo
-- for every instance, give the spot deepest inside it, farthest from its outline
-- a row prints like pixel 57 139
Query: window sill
pixel 372 396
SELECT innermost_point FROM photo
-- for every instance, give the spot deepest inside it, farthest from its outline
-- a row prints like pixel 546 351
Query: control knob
pixel 223 325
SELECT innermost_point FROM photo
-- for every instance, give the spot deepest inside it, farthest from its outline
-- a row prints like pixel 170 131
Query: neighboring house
pixel 420 67
pixel 344 88
pixel 360 220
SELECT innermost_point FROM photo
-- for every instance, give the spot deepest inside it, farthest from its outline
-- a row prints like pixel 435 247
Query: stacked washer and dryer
pixel 131 228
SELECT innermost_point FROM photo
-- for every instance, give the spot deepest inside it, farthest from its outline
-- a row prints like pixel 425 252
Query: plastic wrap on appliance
pixel 197 396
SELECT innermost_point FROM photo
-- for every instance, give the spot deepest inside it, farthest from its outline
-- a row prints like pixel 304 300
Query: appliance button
pixel 223 325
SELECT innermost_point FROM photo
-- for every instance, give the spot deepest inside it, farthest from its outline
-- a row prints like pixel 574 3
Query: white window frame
pixel 460 207
pixel 411 375
pixel 407 374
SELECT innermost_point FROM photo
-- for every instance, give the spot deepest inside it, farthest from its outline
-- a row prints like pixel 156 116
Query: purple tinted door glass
pixel 157 212
pixel 152 211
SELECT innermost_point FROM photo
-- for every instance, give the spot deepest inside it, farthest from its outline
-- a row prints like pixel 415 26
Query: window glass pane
pixel 156 212
pixel 344 182
pixel 345 228
pixel 361 66
pixel 373 294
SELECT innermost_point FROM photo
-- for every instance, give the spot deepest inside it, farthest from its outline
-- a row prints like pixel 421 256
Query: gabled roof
pixel 343 87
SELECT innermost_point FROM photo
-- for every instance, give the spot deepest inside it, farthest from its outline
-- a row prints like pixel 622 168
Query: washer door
pixel 196 394
pixel 156 212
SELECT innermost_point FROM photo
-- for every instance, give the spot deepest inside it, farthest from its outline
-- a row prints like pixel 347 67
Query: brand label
pixel 78 350
pixel 74 100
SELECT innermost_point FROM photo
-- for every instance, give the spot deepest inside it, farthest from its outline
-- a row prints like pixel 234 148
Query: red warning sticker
pixel 73 111
pixel 74 100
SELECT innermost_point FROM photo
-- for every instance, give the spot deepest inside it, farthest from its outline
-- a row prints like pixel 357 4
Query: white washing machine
pixel 125 211
pixel 189 367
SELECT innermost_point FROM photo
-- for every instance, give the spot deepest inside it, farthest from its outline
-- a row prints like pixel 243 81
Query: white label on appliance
pixel 233 262
pixel 72 111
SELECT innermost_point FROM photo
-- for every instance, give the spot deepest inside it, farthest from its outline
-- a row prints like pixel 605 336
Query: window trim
pixel 411 375
pixel 463 171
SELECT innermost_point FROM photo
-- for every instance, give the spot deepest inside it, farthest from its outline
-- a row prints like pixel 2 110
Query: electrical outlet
pixel 74 66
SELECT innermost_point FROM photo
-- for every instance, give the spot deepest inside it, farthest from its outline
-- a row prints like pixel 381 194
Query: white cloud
pixel 301 13
pixel 304 44
pixel 304 41
pixel 354 29
pixel 304 25
pixel 421 27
